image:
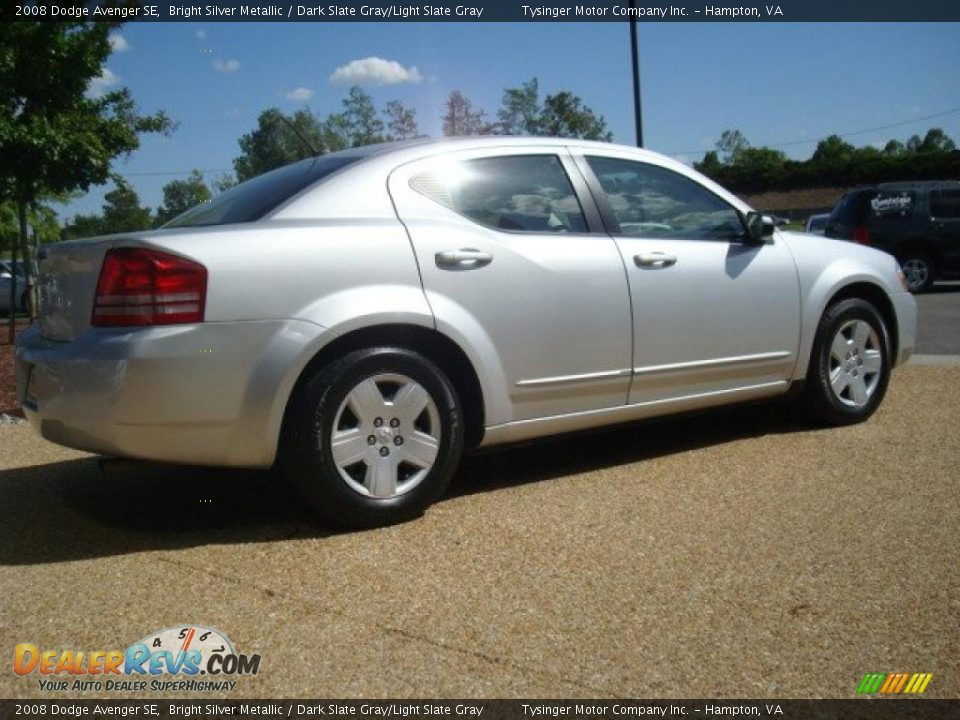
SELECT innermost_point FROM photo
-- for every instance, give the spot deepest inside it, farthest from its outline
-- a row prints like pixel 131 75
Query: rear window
pixel 251 200
pixel 848 210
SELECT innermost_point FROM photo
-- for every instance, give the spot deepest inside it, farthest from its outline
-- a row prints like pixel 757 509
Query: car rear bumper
pixel 210 393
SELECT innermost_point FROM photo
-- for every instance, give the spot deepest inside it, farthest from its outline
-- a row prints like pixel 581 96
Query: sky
pixel 781 84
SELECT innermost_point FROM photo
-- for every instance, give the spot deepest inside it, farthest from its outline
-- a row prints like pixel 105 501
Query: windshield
pixel 253 199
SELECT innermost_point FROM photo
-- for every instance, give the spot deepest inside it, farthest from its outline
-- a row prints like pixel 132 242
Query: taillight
pixel 138 286
pixel 861 235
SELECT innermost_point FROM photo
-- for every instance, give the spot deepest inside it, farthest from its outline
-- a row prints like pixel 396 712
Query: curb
pixel 942 360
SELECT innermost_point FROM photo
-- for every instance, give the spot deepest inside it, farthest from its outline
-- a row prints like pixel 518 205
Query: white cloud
pixel 201 34
pixel 226 66
pixel 375 71
pixel 300 94
pixel 118 43
pixel 99 85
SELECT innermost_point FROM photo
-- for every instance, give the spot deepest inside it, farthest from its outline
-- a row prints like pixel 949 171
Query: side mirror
pixel 758 227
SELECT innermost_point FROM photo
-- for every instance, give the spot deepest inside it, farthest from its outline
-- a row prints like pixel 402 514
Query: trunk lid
pixel 67 283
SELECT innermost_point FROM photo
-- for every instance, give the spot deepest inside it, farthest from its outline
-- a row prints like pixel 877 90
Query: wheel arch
pixel 434 345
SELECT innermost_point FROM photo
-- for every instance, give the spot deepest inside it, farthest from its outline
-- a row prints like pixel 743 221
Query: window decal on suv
pixel 886 204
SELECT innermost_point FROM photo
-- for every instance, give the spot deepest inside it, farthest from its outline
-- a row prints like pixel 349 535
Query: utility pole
pixel 635 59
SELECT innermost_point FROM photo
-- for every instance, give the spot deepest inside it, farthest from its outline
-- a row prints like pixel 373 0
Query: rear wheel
pixel 918 269
pixel 850 366
pixel 373 438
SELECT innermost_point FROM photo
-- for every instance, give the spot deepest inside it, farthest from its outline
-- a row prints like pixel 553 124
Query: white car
pixel 363 317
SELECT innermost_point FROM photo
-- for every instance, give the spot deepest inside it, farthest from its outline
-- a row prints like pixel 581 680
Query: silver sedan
pixel 363 317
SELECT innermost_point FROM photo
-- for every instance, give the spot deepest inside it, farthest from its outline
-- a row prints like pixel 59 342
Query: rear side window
pixel 653 202
pixel 889 204
pixel 526 193
pixel 251 200
pixel 945 204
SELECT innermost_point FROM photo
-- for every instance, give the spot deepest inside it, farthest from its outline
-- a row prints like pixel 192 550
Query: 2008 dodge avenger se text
pixel 362 317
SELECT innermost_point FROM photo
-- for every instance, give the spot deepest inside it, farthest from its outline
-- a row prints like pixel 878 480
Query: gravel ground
pixel 739 553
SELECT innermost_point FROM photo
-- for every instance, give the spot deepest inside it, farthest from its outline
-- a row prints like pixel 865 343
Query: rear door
pixel 519 275
pixel 712 314
pixel 945 220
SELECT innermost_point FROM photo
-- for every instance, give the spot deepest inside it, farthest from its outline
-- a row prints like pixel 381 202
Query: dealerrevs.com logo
pixel 186 657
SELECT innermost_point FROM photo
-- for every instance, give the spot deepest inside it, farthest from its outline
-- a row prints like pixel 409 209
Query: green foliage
pixel 55 135
pixel 273 144
pixel 181 195
pixel 731 144
pixel 42 219
pixel 835 162
pixel 520 111
pixel 565 115
pixel 401 121
pixel 363 124
pixel 122 212
pixel 560 115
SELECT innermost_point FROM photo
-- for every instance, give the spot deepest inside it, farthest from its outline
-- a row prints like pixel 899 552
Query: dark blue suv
pixel 916 222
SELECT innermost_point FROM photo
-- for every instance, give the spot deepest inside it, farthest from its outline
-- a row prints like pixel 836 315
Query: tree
pixel 565 115
pixel 273 144
pixel 84 226
pixel 41 218
pixel 364 126
pixel 122 211
pixel 461 119
pixel 181 195
pixel 936 140
pixel 520 111
pixel 894 148
pixel 710 165
pixel 833 150
pixel 56 134
pixel 730 145
pixel 401 121
pixel 224 182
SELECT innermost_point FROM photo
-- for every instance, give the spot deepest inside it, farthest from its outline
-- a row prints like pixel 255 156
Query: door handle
pixel 654 260
pixel 463 259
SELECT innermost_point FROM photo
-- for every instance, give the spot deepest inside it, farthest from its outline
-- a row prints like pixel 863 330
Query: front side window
pixel 526 193
pixel 653 202
pixel 945 204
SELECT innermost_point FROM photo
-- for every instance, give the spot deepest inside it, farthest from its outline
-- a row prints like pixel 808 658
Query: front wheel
pixel 850 366
pixel 373 438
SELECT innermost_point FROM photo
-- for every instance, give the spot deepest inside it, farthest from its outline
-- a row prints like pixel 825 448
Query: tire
pixel 918 269
pixel 360 454
pixel 850 365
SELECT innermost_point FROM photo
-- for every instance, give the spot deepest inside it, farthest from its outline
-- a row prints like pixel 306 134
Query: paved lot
pixel 738 553
pixel 938 331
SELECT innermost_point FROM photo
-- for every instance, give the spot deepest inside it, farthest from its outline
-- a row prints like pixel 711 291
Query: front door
pixel 712 314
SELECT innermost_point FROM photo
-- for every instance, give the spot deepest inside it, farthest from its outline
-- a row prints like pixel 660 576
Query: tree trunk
pixel 29 251
pixel 12 327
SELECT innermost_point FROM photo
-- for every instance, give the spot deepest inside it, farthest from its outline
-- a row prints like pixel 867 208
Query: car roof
pixel 920 185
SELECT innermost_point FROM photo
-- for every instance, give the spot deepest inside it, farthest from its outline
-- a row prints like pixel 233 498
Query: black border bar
pixel 483 11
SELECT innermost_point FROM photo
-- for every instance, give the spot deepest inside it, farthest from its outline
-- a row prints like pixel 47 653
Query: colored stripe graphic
pixel 894 683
